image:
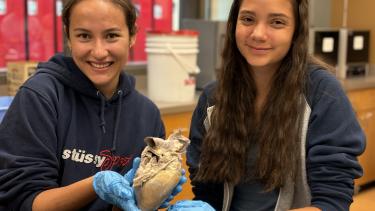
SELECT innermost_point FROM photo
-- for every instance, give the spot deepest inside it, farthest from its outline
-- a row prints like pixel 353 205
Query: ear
pixel 69 45
pixel 132 41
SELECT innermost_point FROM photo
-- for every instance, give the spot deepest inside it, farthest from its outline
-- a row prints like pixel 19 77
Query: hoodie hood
pixel 64 69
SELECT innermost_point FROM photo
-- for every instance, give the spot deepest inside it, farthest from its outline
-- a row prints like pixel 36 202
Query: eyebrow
pixel 273 15
pixel 107 30
pixel 279 15
pixel 246 12
pixel 80 29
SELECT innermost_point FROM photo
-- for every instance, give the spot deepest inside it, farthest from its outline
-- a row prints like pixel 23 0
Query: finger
pixel 164 205
pixel 176 190
pixel 182 180
pixel 170 198
pixel 129 176
pixel 178 187
pixel 136 163
pixel 129 205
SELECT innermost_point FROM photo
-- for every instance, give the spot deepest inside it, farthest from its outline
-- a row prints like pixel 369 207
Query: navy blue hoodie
pixel 59 129
pixel 333 141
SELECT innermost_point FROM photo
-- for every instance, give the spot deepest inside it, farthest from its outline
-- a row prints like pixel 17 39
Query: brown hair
pixel 234 129
pixel 126 5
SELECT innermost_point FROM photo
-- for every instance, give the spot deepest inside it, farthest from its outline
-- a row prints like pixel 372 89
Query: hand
pixel 176 190
pixel 191 205
pixel 116 189
pixel 129 176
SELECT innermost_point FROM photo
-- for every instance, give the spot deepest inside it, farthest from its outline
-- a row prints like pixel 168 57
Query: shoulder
pixel 204 107
pixel 319 75
pixel 141 103
pixel 322 84
pixel 210 87
pixel 43 84
pixel 136 99
pixel 40 79
pixel 207 95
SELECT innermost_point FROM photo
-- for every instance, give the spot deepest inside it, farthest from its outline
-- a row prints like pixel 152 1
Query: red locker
pixel 40 17
pixel 144 23
pixel 59 27
pixel 12 31
pixel 162 15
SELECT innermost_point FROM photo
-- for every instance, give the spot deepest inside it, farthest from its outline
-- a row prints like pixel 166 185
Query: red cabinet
pixel 59 33
pixel 40 19
pixel 152 15
pixel 162 15
pixel 144 24
pixel 30 30
pixel 12 31
pixel 33 29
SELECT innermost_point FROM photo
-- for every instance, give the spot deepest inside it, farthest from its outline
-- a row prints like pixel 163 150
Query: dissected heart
pixel 159 171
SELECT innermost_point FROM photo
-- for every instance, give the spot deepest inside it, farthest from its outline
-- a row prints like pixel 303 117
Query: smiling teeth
pixel 99 66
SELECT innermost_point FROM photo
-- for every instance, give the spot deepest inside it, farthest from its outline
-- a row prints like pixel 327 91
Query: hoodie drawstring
pixel 102 119
pixel 118 114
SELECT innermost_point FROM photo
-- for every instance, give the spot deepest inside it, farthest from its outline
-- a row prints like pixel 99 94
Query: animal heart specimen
pixel 159 171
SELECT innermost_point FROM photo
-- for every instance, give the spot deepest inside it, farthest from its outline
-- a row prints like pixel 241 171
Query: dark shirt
pixel 251 196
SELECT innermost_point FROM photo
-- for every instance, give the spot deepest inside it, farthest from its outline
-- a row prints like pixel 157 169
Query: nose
pixel 99 50
pixel 259 32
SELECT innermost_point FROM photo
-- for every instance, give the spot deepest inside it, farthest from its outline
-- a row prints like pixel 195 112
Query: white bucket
pixel 172 65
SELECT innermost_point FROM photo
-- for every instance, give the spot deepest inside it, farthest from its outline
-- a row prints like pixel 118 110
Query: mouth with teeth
pixel 102 65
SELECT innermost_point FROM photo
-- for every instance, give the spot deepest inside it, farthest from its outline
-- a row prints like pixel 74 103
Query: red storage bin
pixel 162 15
pixel 144 23
pixel 59 36
pixel 12 31
pixel 40 17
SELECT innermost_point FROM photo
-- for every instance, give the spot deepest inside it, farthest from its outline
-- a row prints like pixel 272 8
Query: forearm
pixel 307 209
pixel 71 197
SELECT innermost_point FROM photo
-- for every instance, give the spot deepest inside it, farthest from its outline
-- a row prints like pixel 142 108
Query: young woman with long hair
pixel 275 131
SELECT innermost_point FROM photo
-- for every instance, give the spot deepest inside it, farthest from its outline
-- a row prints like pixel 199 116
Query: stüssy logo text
pixel 105 160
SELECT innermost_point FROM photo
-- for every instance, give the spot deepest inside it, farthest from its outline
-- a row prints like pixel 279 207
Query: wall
pixel 320 13
pixel 220 9
pixel 190 9
pixel 361 15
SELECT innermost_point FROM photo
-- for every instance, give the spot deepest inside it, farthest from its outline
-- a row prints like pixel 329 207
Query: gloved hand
pixel 176 190
pixel 191 205
pixel 116 189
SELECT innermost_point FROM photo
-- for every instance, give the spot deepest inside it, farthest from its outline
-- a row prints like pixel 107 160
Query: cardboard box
pixel 17 73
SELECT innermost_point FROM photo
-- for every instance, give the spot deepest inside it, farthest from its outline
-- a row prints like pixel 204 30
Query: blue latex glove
pixel 191 205
pixel 116 189
pixel 176 190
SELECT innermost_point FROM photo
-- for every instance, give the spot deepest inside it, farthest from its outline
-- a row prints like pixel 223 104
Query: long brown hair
pixel 234 131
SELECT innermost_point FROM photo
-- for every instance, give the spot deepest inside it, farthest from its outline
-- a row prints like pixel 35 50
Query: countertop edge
pixel 353 84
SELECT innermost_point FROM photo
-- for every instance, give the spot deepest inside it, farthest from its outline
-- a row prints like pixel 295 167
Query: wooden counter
pixel 358 83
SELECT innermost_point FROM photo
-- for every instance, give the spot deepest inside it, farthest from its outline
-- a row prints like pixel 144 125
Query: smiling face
pixel 264 32
pixel 100 42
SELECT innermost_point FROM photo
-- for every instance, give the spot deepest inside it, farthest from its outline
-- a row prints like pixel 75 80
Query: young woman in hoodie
pixel 78 116
pixel 276 130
